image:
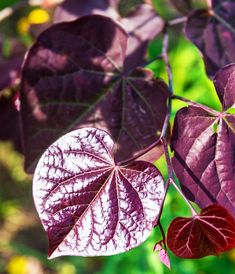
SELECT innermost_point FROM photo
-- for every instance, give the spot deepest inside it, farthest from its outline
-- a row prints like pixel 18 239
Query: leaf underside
pixel 90 206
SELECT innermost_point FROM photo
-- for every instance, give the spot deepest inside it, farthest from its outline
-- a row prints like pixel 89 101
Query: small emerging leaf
pixel 90 206
pixel 162 254
pixel 209 233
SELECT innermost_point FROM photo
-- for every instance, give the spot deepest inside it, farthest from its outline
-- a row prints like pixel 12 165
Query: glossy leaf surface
pixel 204 148
pixel 73 78
pixel 209 233
pixel 90 206
pixel 215 40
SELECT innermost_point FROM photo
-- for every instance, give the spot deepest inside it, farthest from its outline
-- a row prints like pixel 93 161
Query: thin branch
pixel 222 21
pixel 177 21
pixel 144 151
pixel 191 103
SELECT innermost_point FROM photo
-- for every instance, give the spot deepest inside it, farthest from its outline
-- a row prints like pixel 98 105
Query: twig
pixel 183 196
pixel 164 130
pixel 191 103
pixel 222 21
pixel 177 21
pixel 144 151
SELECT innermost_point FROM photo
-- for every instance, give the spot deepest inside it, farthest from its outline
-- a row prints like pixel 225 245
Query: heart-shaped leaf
pixel 73 78
pixel 209 233
pixel 215 39
pixel 90 206
pixel 204 148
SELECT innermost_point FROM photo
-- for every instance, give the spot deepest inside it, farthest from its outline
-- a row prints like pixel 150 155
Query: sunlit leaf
pixel 204 148
pixel 88 204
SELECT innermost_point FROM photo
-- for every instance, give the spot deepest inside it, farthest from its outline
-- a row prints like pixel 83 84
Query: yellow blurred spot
pixel 67 268
pixel 17 265
pixel 38 16
pixel 231 255
pixel 23 25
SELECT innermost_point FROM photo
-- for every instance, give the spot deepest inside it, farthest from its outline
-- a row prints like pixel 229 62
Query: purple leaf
pixel 209 233
pixel 72 9
pixel 204 148
pixel 142 24
pixel 215 40
pixel 73 78
pixel 90 206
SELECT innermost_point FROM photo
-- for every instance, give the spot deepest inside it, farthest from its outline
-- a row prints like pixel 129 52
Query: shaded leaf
pixel 72 9
pixel 73 77
pixel 204 148
pixel 215 40
pixel 142 24
pixel 209 233
pixel 89 205
pixel 10 66
pixel 9 121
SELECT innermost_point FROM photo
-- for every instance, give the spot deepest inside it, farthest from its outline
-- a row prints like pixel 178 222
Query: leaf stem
pixel 144 151
pixel 222 21
pixel 177 21
pixel 194 213
pixel 166 122
pixel 195 104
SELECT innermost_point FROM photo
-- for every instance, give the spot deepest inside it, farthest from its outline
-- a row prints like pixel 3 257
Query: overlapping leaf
pixel 204 147
pixel 10 66
pixel 216 40
pixel 209 233
pixel 90 206
pixel 72 9
pixel 73 78
pixel 142 23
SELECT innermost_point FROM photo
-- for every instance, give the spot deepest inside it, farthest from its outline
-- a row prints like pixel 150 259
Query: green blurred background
pixel 23 243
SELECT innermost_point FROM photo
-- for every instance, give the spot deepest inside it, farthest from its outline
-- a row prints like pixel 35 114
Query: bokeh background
pixel 23 243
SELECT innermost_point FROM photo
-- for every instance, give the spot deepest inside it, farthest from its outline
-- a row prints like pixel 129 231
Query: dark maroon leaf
pixel 142 24
pixel 9 121
pixel 72 77
pixel 215 40
pixel 89 205
pixel 209 233
pixel 204 148
pixel 72 9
